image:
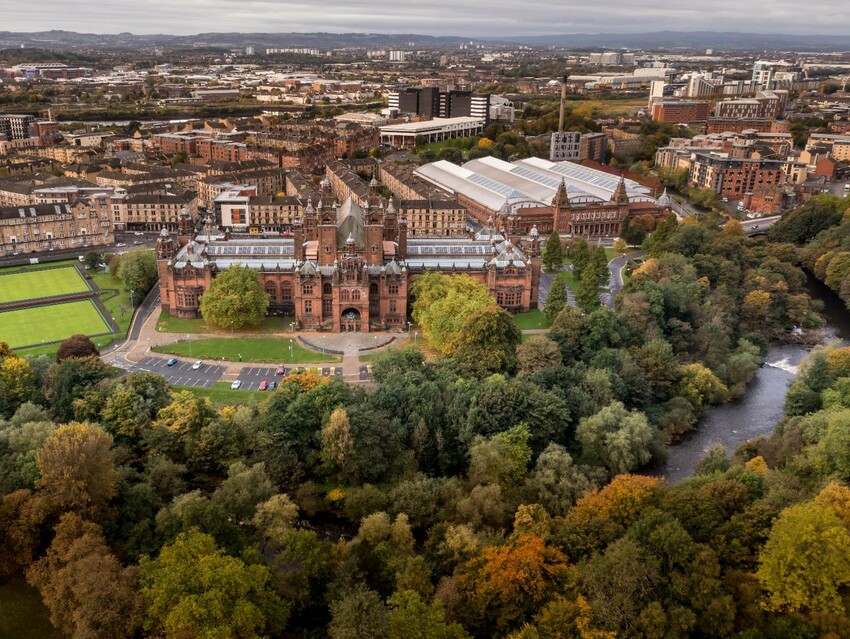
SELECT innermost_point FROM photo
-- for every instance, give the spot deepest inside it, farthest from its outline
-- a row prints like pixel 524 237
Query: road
pixel 759 224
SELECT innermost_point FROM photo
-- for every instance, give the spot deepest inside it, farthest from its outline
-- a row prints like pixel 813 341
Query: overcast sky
pixel 474 18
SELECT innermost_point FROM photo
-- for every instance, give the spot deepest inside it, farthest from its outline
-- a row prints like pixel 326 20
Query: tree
pixel 487 341
pixel 69 380
pixel 443 305
pixel 17 382
pixel 137 271
pixel 92 259
pixel 243 490
pixel 275 518
pixel 337 445
pixel 192 590
pixel 504 583
pixel 537 353
pixel 553 252
pixel 235 298
pixel 593 274
pixel 617 439
pixel 76 466
pixel 89 594
pixel 557 298
pixel 501 459
pixel 555 482
pixel 806 561
pixel 76 346
pixel 411 618
pixel 359 615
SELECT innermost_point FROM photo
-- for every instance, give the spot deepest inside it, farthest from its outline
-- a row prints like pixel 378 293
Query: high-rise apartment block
pixel 431 102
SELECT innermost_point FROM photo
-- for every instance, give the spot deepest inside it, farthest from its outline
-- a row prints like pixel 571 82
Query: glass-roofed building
pixel 571 198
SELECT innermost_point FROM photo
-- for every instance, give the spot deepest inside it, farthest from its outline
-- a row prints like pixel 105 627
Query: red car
pixel 264 385
pixel 280 371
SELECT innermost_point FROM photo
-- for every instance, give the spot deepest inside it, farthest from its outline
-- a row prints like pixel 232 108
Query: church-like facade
pixel 346 267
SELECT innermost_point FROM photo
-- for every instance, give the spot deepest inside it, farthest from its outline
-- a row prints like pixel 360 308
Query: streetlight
pixel 231 327
pixel 291 358
pixel 291 327
pixel 409 326
pixel 415 334
pixel 190 346
pixel 132 297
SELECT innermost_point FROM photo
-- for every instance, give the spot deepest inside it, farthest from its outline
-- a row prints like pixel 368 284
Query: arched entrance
pixel 350 321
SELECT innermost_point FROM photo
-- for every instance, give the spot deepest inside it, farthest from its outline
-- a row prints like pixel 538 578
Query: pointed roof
pixel 620 196
pixel 350 221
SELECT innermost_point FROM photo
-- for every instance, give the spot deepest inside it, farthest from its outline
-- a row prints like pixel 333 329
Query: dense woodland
pixel 491 489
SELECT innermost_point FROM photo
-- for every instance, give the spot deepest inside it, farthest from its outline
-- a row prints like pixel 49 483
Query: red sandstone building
pixel 345 268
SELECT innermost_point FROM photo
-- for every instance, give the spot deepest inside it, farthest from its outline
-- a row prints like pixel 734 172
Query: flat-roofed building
pixel 436 130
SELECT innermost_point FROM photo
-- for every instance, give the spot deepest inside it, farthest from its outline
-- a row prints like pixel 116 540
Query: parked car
pixel 264 385
pixel 280 371
pixel 171 362
pixel 272 385
pixel 236 385
pixel 197 365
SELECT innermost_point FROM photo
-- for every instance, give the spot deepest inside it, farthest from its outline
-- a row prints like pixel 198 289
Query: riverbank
pixel 760 410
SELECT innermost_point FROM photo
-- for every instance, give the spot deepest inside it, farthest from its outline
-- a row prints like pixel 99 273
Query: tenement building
pixel 345 267
pixel 48 227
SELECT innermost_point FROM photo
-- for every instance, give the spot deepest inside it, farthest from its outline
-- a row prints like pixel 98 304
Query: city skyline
pixel 467 18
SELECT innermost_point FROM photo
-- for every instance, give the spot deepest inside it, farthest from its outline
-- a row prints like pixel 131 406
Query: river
pixel 760 410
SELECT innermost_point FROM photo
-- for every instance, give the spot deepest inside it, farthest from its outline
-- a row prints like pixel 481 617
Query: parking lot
pixel 251 377
pixel 181 373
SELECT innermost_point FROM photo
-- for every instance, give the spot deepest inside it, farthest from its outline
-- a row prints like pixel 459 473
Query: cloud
pixel 473 18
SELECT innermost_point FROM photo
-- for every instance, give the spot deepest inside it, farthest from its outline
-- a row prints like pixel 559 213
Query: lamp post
pixel 188 339
pixel 291 327
pixel 291 358
pixel 132 298
pixel 231 327
pixel 409 326
pixel 415 334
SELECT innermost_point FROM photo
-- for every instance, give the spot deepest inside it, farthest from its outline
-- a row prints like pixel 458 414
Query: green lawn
pixel 118 304
pixel 252 349
pixel 51 323
pixel 531 320
pixel 22 614
pixel 41 283
pixel 222 395
pixel 168 324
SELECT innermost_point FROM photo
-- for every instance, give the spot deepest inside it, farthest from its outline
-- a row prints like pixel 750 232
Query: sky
pixel 473 18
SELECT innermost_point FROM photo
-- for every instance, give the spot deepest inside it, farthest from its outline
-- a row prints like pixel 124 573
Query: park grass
pixel 168 324
pixel 251 349
pixel 222 395
pixel 22 613
pixel 34 284
pixel 533 319
pixel 51 323
pixel 609 107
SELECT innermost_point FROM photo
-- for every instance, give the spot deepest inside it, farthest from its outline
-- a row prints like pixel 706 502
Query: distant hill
pixel 691 40
pixel 70 39
pixel 657 40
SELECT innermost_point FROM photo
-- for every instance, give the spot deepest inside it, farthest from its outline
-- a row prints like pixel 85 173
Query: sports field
pixel 42 283
pixel 50 323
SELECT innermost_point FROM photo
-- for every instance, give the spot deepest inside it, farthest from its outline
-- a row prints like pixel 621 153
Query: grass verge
pixel 250 349
pixel 222 395
pixel 168 324
pixel 533 319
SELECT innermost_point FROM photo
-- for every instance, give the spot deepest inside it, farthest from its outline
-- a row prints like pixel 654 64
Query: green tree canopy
pixel 235 299
pixel 194 591
pixel 443 305
pixel 806 561
pixel 137 271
